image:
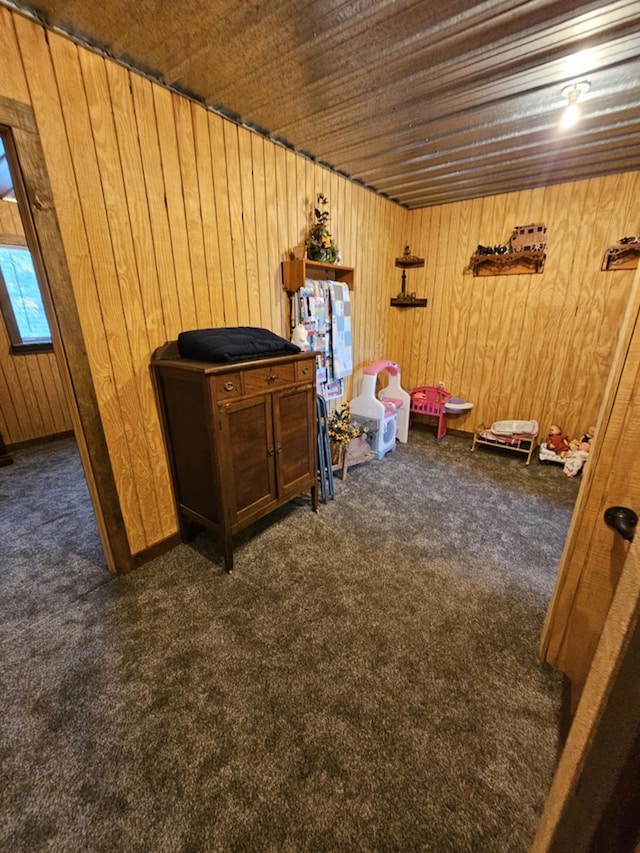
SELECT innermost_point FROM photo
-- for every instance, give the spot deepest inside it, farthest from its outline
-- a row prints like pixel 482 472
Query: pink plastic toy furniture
pixel 390 410
pixel 430 400
pixel 394 394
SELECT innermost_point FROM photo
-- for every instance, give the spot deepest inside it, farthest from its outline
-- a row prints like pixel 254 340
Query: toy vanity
pixel 386 417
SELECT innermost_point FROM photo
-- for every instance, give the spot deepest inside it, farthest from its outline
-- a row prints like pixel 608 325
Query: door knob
pixel 623 519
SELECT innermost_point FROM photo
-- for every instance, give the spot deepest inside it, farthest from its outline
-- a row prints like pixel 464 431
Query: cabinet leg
pixel 187 531
pixel 228 553
pixel 5 458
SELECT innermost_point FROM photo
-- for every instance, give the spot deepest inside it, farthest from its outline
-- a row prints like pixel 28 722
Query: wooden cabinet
pixel 241 437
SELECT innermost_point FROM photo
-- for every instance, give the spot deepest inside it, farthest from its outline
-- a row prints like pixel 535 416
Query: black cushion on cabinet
pixel 234 343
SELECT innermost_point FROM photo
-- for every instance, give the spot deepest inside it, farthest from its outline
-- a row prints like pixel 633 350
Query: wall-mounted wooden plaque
pixel 623 256
pixel 510 263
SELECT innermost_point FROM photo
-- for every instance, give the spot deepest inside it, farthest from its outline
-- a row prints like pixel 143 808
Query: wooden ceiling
pixel 425 101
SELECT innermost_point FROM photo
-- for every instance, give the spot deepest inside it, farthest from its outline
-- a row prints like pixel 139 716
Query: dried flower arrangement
pixel 320 244
pixel 341 429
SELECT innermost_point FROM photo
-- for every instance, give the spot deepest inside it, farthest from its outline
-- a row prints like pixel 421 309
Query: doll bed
pixel 572 464
pixel 545 454
pixel 516 435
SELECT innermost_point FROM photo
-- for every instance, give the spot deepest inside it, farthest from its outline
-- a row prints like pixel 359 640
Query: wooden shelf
pixel 399 302
pixel 403 299
pixel 295 272
pixel 414 263
pixel 510 263
pixel 624 256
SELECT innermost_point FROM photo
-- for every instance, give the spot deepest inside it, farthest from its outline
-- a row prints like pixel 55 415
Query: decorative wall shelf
pixel 509 263
pixel 404 299
pixel 623 256
pixel 296 271
pixel 408 302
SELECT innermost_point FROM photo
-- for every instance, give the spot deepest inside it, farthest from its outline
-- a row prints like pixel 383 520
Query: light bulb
pixel 572 112
pixel 570 117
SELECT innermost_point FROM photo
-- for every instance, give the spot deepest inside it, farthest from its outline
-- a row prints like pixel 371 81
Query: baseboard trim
pixel 42 439
pixel 426 428
pixel 168 544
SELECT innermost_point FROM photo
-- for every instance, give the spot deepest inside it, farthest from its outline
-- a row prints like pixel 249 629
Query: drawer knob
pixel 229 386
pixel 305 369
pixel 272 377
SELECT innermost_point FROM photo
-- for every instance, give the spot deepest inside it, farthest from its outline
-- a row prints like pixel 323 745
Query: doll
pixel 587 437
pixel 576 459
pixel 558 442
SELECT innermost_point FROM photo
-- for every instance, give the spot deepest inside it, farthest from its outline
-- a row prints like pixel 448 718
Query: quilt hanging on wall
pixel 324 308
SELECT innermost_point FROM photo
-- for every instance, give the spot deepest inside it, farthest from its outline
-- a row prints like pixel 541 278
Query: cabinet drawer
pixel 264 378
pixel 304 370
pixel 227 386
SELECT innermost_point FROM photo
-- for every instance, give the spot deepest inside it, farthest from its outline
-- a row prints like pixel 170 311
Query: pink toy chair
pixel 429 400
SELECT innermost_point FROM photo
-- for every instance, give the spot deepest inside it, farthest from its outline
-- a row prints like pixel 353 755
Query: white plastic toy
pixel 300 338
pixel 390 410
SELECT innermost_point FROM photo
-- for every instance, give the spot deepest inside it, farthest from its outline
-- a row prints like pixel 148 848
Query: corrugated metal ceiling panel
pixel 426 102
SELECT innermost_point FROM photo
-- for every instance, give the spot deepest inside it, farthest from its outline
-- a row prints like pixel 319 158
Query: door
pixel 594 800
pixel 594 555
pixel 295 435
pixel 592 632
pixel 248 432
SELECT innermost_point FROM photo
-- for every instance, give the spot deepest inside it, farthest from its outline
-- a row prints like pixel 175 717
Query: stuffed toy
pixel 299 337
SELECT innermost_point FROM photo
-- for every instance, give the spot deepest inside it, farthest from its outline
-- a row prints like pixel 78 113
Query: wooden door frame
pixel 42 231
pixel 594 799
pixel 593 802
pixel 585 527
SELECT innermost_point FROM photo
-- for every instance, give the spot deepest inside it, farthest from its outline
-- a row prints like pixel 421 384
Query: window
pixel 21 301
pixel 20 296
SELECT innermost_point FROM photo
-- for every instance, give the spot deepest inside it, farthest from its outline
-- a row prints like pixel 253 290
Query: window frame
pixel 17 346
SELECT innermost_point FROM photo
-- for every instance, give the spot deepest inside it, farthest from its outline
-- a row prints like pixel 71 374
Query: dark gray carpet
pixel 366 680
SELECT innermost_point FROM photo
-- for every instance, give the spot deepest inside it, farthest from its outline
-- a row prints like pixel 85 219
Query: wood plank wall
pixel 173 218
pixel 519 346
pixel 32 402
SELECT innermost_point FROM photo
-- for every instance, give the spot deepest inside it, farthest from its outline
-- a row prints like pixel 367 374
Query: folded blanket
pixel 235 343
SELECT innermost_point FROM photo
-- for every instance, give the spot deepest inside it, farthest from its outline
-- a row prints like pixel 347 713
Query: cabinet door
pixel 248 466
pixel 295 436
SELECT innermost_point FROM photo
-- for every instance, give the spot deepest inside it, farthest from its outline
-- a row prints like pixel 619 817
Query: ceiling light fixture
pixel 573 93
